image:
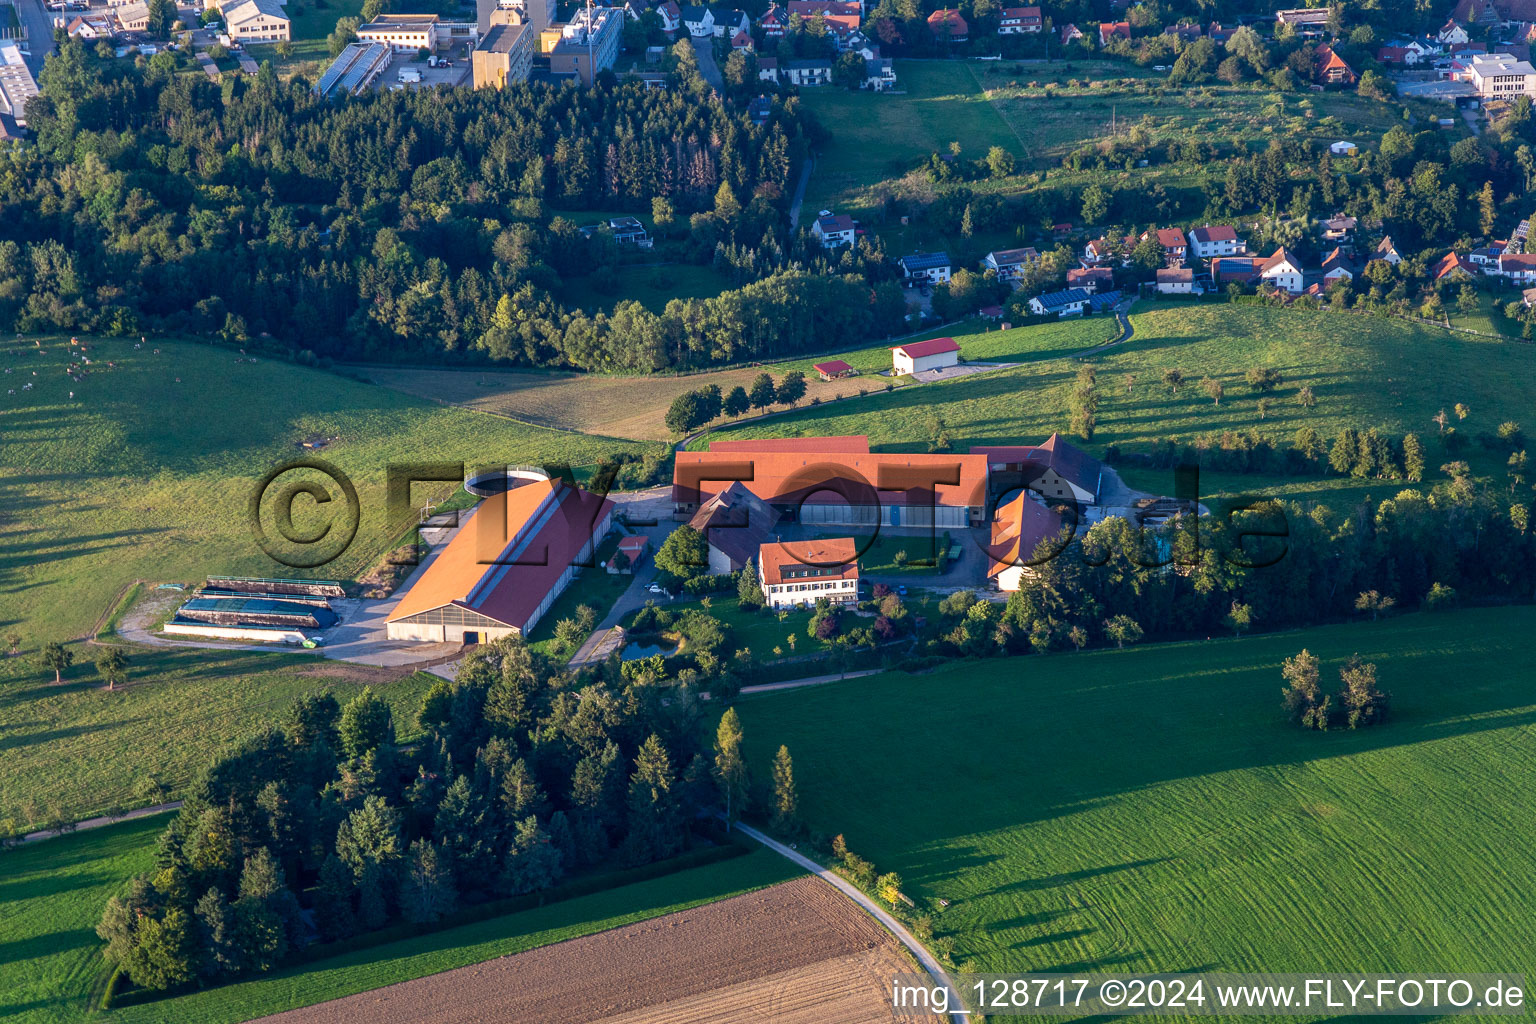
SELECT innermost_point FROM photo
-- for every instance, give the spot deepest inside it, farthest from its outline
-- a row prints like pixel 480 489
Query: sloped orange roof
pixel 509 555
pixel 1017 529
pixel 829 477
pixel 857 444
pixel 835 557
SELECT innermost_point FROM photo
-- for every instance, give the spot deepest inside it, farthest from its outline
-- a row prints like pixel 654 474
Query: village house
pixel 1010 264
pixel 1063 303
pixel 133 17
pixel 1070 34
pixel 1453 268
pixel 1306 21
pixel 1185 33
pixel 1219 34
pixel 1055 469
pixel 833 230
pixel 1092 280
pixel 1112 30
pixel 1331 68
pixel 1173 243
pixel 1451 32
pixel 768 69
pixel 1518 268
pixel 879 74
pixel 1019 20
pixel 699 21
pixel 727 23
pixel 802 572
pixel 1175 281
pixel 916 356
pixel 925 268
pixel 841 17
pixel 774 22
pixel 1283 272
pixel 1221 240
pixel 1338 264
pixel 1339 229
pixel 808 71
pixel 1235 269
pixel 1476 12
pixel 1385 250
pixel 947 26
pixel 671 17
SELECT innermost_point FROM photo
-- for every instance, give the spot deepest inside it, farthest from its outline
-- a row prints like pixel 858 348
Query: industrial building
pixel 505 567
pixel 588 43
pixel 356 68
pixel 504 54
pixel 16 82
pixel 403 33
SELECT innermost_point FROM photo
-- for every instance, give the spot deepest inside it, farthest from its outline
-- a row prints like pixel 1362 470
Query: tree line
pixel 523 773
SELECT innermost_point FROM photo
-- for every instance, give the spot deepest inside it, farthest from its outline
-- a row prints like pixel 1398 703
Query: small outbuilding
pixel 832 369
pixel 925 355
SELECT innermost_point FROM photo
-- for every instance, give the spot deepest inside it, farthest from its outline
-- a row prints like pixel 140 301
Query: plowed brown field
pixel 795 953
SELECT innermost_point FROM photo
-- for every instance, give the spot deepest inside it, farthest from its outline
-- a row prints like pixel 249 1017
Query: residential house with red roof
pixel 1518 268
pixel 947 26
pixel 1172 240
pixel 802 572
pixel 1019 528
pixel 1111 30
pixel 1070 33
pixel 1331 69
pixel 1283 271
pixel 1452 267
pixel 1091 279
pixel 1020 20
pixel 774 22
pixel 1221 240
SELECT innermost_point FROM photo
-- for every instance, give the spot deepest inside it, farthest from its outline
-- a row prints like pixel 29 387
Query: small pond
pixel 636 649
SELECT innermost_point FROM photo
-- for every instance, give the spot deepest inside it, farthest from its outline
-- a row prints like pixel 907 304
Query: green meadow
pixel 147 471
pixel 53 893
pixel 1364 372
pixel 1152 810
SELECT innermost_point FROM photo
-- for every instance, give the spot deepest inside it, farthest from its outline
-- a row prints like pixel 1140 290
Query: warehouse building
pixel 505 567
pixel 836 481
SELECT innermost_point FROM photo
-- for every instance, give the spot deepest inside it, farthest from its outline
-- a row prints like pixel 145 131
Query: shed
pixel 925 355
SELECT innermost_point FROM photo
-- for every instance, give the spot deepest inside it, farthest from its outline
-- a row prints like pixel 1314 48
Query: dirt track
pixel 796 953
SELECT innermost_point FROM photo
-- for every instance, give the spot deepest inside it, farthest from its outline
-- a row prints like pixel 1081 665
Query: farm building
pixel 836 480
pixel 1018 529
pixel 1053 468
pixel 803 572
pixel 925 355
pixel 240 608
pixel 832 369
pixel 734 522
pixel 505 567
pixel 626 559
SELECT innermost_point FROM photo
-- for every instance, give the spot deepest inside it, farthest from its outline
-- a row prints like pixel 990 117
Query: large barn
pixel 836 481
pixel 505 567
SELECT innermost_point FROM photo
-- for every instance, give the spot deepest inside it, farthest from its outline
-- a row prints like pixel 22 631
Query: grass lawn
pixel 1151 810
pixel 1489 317
pixel 758 630
pixel 147 471
pixel 636 406
pixel 652 286
pixel 595 587
pixel 878 137
pixel 923 553
pixel 85 750
pixel 1365 372
pixel 54 892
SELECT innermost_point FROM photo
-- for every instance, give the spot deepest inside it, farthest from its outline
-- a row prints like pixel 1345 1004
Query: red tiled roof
pixel 1450 263
pixel 831 367
pixel 948 16
pixel 1175 275
pixel 1069 461
pixel 787 477
pixel 837 557
pixel 1017 530
pixel 847 444
pixel 506 559
pixel 917 349
pixel 1219 233
pixel 1170 238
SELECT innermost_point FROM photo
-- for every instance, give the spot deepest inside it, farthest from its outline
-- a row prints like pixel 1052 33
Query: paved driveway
pixel 704 51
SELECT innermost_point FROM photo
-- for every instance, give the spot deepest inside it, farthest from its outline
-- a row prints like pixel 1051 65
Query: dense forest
pixel 414 224
pixel 329 826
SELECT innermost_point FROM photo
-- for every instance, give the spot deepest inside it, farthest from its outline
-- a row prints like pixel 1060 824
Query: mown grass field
pixel 1365 372
pixel 54 891
pixel 78 750
pixel 147 471
pixel 1151 809
pixel 635 406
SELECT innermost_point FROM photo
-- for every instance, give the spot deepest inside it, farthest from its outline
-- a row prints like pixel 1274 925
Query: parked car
pixel 656 588
pixel 901 591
